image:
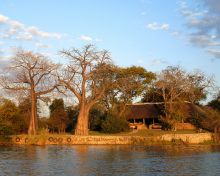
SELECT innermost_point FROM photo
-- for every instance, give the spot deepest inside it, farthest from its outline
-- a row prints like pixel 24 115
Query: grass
pixel 98 133
pixel 148 133
pixel 42 137
pixel 4 139
pixel 143 133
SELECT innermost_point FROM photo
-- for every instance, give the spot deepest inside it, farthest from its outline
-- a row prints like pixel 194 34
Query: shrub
pixel 166 125
pixel 212 120
pixel 11 119
pixel 95 119
pixel 6 129
pixel 113 124
pixel 208 119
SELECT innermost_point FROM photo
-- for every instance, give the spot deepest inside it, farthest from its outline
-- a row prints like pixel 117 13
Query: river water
pixel 110 160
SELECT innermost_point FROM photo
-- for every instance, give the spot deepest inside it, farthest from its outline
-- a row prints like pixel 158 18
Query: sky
pixel 149 33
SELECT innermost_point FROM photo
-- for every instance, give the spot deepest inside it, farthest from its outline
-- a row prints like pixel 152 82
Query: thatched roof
pixel 154 110
pixel 143 111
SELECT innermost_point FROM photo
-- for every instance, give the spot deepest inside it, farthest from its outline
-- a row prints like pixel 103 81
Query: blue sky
pixel 150 33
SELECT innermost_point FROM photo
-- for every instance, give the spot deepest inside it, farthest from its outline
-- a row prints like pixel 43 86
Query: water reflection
pixel 110 160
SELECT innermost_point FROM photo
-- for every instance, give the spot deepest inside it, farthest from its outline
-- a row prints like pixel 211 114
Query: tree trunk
pixel 122 111
pixel 32 130
pixel 82 121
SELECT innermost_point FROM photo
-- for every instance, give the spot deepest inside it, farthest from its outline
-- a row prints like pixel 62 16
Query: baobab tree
pixel 31 74
pixel 87 77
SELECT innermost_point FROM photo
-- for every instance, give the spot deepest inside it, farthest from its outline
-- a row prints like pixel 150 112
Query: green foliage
pixel 166 125
pixel 206 118
pixel 8 110
pixel 215 104
pixel 6 129
pixel 211 121
pixel 130 83
pixel 152 95
pixel 43 123
pixel 58 119
pixel 56 104
pixel 25 114
pixel 197 119
pixel 133 81
pixel 113 124
pixel 95 119
pixel 25 106
pixel 72 114
pixel 11 119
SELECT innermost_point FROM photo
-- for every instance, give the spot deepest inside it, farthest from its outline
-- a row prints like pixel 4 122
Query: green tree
pixel 130 83
pixel 215 103
pixel 58 118
pixel 114 124
pixel 25 111
pixel 211 120
pixel 151 95
pixel 72 114
pixel 96 116
pixel 11 121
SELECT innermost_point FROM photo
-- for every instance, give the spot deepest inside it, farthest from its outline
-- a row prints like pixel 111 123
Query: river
pixel 86 160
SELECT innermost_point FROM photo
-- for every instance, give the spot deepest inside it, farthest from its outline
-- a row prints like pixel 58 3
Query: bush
pixel 113 124
pixel 12 120
pixel 95 119
pixel 212 120
pixel 6 130
pixel 208 119
pixel 166 125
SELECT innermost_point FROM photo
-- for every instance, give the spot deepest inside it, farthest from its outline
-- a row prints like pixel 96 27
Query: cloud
pixel 203 22
pixel 156 62
pixel 86 38
pixel 215 53
pixel 203 40
pixel 156 26
pixel 3 19
pixel 24 36
pixel 41 45
pixel 15 24
pixel 36 32
pixel 18 31
pixel 175 33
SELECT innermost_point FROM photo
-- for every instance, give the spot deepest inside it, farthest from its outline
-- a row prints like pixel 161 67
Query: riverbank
pixel 138 137
pixel 66 139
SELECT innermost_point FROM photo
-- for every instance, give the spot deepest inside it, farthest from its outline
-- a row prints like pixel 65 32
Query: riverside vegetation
pixel 101 90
